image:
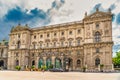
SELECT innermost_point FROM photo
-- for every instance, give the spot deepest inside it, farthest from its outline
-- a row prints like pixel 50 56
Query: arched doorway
pixel 1 63
pixel 68 64
pixel 48 63
pixel 78 64
pixel 97 62
pixel 58 63
pixel 40 63
pixel 33 63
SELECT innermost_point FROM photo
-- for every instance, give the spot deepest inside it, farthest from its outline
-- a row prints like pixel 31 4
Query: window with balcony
pixel 62 43
pixel 78 42
pixel 97 50
pixel 78 52
pixel 47 44
pixel 18 44
pixel 54 44
pixel 97 37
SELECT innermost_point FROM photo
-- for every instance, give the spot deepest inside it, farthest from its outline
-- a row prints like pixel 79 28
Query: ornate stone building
pixel 70 45
pixel 3 53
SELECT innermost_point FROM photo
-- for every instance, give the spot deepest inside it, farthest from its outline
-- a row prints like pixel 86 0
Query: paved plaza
pixel 31 75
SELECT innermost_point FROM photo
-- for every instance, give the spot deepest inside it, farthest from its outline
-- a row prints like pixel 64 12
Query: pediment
pixel 98 15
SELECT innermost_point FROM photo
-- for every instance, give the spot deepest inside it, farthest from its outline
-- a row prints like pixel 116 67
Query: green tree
pixel 116 59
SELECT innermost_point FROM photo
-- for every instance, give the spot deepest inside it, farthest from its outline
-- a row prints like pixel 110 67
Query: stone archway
pixel 1 63
pixel 58 63
pixel 48 63
pixel 78 64
pixel 33 63
pixel 68 63
pixel 40 63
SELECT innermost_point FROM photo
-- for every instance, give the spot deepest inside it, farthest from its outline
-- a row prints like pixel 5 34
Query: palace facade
pixel 69 46
pixel 3 54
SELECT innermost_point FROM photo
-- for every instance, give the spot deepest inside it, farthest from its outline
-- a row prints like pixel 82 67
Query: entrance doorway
pixel 1 63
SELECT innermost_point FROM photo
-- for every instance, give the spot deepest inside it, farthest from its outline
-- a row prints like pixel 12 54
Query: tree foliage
pixel 116 59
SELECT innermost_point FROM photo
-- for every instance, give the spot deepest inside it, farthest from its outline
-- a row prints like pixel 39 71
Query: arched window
pixel 97 37
pixel 97 61
pixel 18 44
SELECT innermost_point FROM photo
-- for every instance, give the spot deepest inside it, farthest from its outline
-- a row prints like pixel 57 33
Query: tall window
pixel 62 43
pixel 40 45
pixel 1 52
pixel 18 44
pixel 78 42
pixel 34 46
pixel 97 37
pixel 54 44
pixel 47 44
pixel 70 43
pixel 78 52
pixel 97 61
pixel 78 31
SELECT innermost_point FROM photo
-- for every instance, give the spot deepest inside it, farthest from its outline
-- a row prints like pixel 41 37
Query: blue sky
pixel 37 13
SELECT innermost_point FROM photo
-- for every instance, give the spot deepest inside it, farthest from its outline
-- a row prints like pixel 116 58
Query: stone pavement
pixel 31 75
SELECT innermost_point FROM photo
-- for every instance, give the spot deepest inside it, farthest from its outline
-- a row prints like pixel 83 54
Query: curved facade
pixel 70 45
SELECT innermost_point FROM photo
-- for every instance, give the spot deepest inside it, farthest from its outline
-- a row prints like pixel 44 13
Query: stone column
pixel 62 61
pixel 53 61
pixel 37 60
pixel 44 58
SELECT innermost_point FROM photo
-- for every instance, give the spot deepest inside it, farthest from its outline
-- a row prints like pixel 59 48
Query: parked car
pixel 56 70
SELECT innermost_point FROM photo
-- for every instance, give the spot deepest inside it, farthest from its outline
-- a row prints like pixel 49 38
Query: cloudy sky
pixel 37 13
